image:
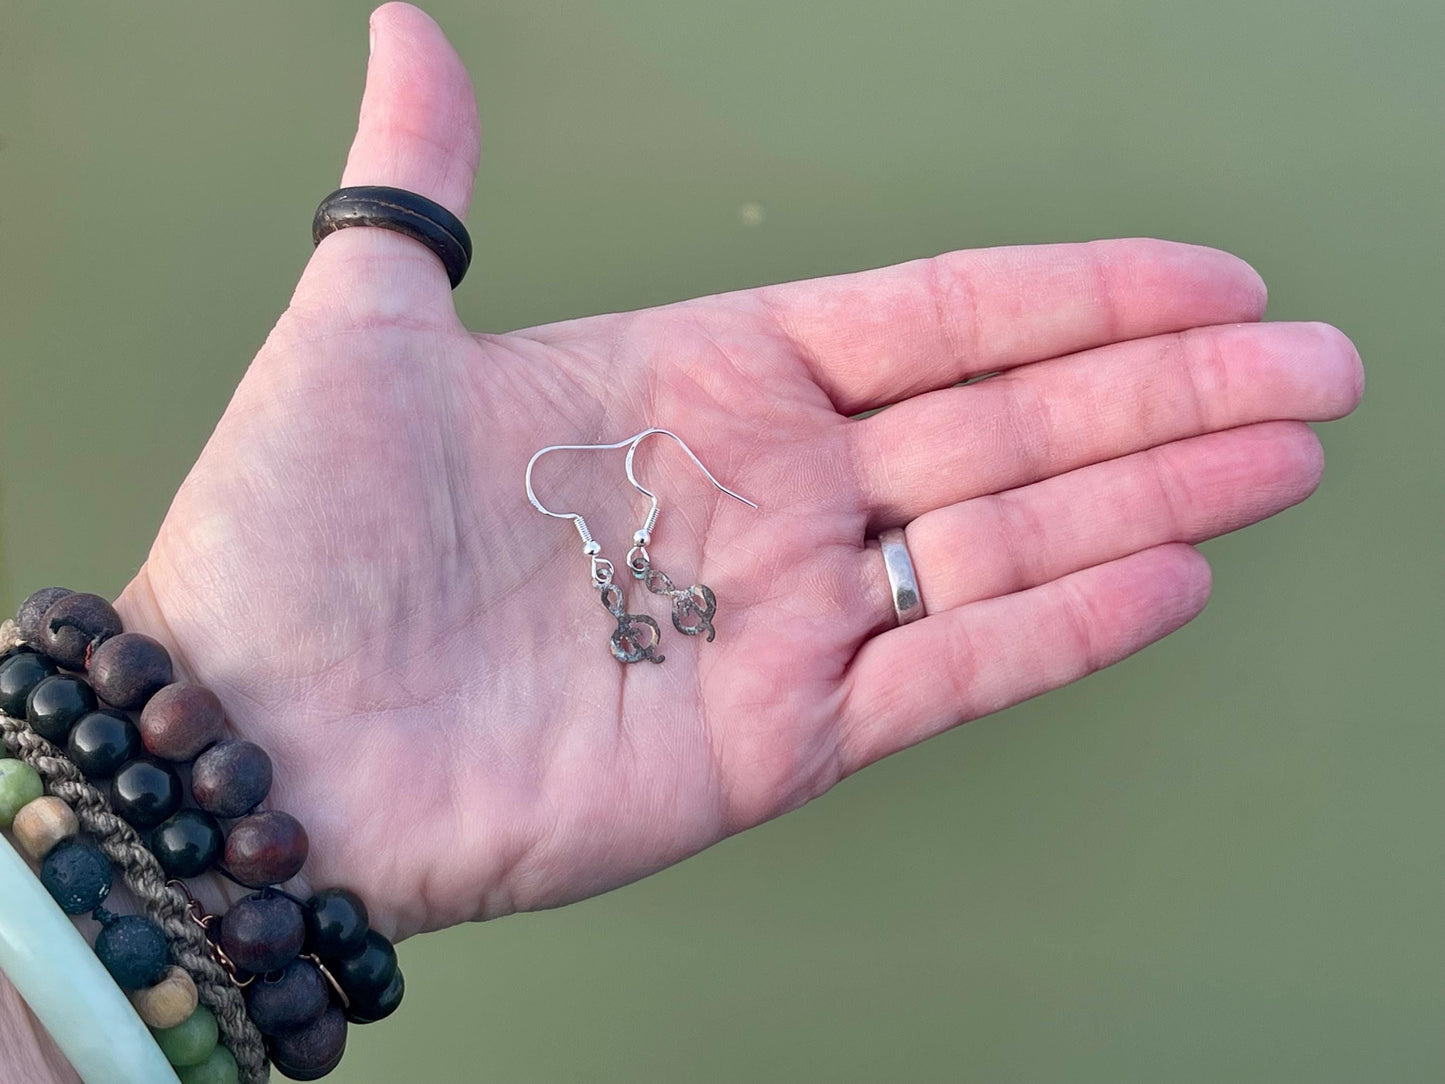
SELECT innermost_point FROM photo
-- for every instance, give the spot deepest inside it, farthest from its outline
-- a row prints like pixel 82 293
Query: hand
pixel 353 567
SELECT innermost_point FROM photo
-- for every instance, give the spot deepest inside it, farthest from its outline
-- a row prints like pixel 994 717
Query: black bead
pixel 263 932
pixel 133 950
pixel 145 791
pixel 289 999
pixel 102 741
pixel 335 923
pixel 312 1052
pixel 19 674
pixel 77 875
pixel 379 1007
pixel 366 973
pixel 56 704
pixel 128 669
pixel 188 844
pixel 31 618
pixel 74 625
pixel 231 778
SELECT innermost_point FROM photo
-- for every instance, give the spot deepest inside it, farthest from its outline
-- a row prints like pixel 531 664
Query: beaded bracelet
pixel 132 948
pixel 290 957
pixel 147 882
pixel 54 969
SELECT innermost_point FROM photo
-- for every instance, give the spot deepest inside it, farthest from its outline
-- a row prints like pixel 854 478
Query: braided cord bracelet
pixel 307 968
pixel 66 987
pixel 165 904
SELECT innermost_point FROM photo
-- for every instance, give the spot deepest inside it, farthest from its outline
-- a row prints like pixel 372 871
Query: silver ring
pixel 907 602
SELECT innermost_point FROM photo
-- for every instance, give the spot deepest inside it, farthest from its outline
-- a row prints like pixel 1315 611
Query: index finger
pixel 877 337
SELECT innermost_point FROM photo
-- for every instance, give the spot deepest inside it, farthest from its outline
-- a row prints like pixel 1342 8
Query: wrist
pixel 133 713
pixel 30 1053
pixel 344 961
pixel 140 612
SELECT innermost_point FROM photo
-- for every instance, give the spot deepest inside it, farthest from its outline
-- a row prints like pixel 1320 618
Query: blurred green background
pixel 1220 861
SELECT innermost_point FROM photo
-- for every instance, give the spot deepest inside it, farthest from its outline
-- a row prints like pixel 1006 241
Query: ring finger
pixel 1186 491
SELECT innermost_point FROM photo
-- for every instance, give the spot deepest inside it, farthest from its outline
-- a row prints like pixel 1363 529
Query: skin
pixel 353 567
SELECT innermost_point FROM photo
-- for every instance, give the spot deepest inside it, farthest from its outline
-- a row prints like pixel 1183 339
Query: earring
pixel 693 607
pixel 637 636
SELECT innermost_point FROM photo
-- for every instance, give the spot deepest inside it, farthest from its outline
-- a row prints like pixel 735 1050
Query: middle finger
pixel 947 446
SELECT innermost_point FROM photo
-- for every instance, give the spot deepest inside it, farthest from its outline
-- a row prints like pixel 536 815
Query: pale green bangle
pixel 66 987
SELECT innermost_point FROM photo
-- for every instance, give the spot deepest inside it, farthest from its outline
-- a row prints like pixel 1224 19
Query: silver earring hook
pixel 644 536
pixel 601 567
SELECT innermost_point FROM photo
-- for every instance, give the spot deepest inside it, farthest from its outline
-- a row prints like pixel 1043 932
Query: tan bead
pixel 42 823
pixel 169 1002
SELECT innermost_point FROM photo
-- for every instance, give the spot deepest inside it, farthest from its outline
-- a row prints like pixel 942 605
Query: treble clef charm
pixel 637 636
pixel 629 642
pixel 693 607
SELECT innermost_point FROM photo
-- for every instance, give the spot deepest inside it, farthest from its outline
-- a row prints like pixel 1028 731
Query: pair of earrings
pixel 637 636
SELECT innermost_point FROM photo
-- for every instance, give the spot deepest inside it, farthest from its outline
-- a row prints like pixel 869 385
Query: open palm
pixel 353 566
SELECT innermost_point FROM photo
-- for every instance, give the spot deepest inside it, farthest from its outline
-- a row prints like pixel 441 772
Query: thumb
pixel 419 131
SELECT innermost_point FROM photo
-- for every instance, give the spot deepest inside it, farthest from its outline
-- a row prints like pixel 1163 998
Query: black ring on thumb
pixel 404 212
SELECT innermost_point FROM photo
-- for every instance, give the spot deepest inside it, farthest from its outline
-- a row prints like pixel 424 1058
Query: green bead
pixel 191 1041
pixel 19 785
pixel 219 1068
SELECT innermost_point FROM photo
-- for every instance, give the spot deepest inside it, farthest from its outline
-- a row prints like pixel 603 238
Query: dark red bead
pixel 128 669
pixel 262 932
pixel 31 618
pixel 312 1052
pixel 145 792
pixel 285 1001
pixel 56 704
pixel 266 848
pixel 231 778
pixel 73 625
pixel 181 720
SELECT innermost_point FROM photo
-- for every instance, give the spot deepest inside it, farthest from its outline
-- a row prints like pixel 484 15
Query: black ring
pixel 405 212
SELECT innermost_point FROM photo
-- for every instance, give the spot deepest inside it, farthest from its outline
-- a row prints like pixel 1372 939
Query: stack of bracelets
pixel 118 750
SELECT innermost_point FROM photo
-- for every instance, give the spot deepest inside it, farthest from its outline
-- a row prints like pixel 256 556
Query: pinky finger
pixel 910 683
